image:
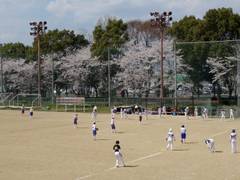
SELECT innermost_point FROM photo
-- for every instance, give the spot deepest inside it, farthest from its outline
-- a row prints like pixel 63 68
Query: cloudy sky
pixel 82 15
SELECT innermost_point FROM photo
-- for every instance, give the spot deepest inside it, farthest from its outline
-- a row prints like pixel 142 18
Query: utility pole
pixel 2 88
pixel 109 81
pixel 175 74
pixel 53 78
pixel 38 29
pixel 161 21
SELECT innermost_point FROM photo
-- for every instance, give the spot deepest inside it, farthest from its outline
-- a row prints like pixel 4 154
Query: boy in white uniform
pixel 94 130
pixel 186 112
pixel 210 143
pixel 164 111
pixel 231 113
pixel 204 113
pixel 125 113
pixel 118 155
pixel 94 114
pixel 196 111
pixel 183 134
pixel 222 114
pixel 159 111
pixel 233 141
pixel 113 127
pixel 170 138
pixel 121 113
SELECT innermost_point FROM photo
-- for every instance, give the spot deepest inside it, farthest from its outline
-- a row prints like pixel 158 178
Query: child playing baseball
pixel 183 134
pixel 75 120
pixel 31 112
pixel 94 130
pixel 113 127
pixel 233 141
pixel 186 112
pixel 140 116
pixel 23 109
pixel 222 114
pixel 210 143
pixel 118 155
pixel 170 138
pixel 94 114
pixel 231 113
pixel 121 113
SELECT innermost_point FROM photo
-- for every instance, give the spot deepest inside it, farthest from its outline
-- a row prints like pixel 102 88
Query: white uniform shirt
pixel 94 127
pixel 170 136
pixel 112 121
pixel 233 137
pixel 183 130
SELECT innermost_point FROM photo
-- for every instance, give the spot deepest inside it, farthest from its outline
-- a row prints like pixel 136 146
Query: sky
pixel 82 15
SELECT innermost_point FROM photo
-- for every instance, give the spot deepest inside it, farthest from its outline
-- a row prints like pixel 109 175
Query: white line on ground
pixel 220 133
pixel 139 159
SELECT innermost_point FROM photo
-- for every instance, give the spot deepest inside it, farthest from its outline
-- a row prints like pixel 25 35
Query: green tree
pixel 59 41
pixel 113 35
pixel 13 50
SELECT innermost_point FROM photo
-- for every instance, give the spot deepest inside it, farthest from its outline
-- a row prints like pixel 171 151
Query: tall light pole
pixel 38 29
pixel 161 21
pixel 2 89
pixel 109 80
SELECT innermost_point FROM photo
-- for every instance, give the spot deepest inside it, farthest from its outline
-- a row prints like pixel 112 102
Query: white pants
pixel 211 147
pixel 231 116
pixel 222 116
pixel 234 146
pixel 119 159
pixel 94 116
pixel 170 144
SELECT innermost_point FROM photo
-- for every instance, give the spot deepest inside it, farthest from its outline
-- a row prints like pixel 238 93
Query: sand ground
pixel 47 147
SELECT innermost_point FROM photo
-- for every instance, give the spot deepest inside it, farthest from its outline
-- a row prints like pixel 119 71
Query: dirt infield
pixel 47 147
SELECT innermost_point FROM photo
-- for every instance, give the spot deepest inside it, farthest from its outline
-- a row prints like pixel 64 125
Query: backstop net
pixel 208 74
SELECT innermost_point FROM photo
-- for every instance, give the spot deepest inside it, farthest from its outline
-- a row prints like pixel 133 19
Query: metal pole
pixel 238 86
pixel 52 79
pixel 175 72
pixel 161 66
pixel 39 70
pixel 109 88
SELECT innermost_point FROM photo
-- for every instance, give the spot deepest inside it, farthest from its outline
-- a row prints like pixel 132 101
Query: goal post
pixel 25 99
pixel 70 101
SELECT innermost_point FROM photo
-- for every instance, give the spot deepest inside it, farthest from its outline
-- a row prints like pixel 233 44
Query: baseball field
pixel 48 147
